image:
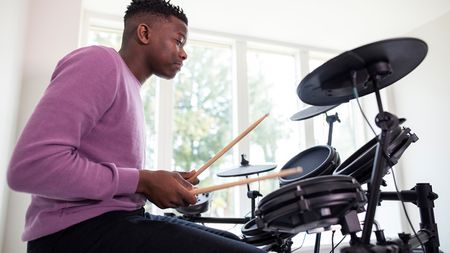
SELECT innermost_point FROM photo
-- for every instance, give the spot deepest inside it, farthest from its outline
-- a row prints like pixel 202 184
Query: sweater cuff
pixel 128 180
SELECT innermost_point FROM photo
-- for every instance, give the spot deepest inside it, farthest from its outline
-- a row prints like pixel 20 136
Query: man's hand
pixel 189 177
pixel 166 189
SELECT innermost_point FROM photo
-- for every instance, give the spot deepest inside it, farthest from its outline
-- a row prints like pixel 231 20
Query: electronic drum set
pixel 327 194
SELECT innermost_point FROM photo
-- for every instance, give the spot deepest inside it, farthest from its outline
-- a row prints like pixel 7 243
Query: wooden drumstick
pixel 227 147
pixel 282 173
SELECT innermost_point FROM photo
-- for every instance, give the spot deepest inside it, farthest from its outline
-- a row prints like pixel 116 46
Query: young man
pixel 81 153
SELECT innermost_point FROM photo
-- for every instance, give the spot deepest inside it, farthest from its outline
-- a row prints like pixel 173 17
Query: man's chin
pixel 167 75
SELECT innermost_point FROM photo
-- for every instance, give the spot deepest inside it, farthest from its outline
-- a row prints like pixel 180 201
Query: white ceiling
pixel 333 24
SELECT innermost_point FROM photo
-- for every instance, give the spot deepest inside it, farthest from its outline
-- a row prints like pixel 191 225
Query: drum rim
pixel 267 238
pixel 344 194
pixel 247 229
pixel 302 188
pixel 331 157
pixel 201 206
pixel 365 156
pixel 259 236
pixel 352 199
pixel 346 167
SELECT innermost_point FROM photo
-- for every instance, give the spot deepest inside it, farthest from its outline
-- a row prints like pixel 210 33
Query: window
pixel 271 81
pixel 345 137
pixel 203 117
pixel 103 36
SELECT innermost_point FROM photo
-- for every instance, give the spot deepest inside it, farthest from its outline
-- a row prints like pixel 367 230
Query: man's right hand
pixel 165 189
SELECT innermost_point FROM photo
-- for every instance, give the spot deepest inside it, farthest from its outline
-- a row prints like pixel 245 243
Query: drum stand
pixel 330 120
pixel 280 246
pixel 252 195
pixel 422 195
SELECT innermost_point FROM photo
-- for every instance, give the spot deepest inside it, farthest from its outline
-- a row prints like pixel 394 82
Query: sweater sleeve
pixel 47 160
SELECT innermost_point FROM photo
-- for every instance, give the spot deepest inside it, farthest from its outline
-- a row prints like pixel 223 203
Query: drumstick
pixel 227 147
pixel 282 173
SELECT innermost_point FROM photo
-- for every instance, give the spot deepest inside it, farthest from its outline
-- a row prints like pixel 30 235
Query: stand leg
pixel 330 120
pixel 425 202
pixel 377 177
pixel 253 195
pixel 423 196
pixel 317 244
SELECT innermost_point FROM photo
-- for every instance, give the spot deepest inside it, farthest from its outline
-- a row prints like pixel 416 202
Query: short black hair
pixel 158 7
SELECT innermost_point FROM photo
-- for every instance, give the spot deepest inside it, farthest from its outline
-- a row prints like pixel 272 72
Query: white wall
pixel 53 31
pixel 12 28
pixel 423 98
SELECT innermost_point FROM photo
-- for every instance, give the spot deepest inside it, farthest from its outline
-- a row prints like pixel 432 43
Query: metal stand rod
pixel 253 195
pixel 317 244
pixel 216 220
pixel 426 205
pixel 386 122
pixel 423 197
pixel 330 120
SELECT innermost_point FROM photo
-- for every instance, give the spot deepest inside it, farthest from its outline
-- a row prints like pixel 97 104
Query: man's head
pixel 155 32
pixel 155 7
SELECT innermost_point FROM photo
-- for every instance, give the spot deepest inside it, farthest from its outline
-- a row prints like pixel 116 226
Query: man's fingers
pixel 188 197
pixel 193 181
pixel 188 176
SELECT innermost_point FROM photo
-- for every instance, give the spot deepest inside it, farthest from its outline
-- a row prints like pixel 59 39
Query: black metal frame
pixel 421 195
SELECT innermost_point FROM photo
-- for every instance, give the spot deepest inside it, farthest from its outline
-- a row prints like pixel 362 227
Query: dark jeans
pixel 128 232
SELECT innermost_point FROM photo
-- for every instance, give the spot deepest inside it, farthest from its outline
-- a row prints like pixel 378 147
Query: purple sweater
pixel 80 152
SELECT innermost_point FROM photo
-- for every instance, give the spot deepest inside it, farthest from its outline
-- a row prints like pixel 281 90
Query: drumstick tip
pixel 293 170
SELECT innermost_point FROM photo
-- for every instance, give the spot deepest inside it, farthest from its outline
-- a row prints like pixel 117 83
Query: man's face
pixel 165 52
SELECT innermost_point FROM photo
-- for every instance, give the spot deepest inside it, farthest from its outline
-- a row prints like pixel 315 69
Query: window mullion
pixel 241 117
pixel 164 123
pixel 309 124
pixel 240 103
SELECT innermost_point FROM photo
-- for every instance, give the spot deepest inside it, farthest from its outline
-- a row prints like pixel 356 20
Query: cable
pixel 332 250
pixel 233 227
pixel 404 210
pixel 332 241
pixel 355 93
pixel 301 245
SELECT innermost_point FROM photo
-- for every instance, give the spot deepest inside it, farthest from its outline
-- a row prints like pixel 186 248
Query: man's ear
pixel 143 33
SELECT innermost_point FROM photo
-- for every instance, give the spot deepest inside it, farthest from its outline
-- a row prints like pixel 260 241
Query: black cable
pixel 355 93
pixel 404 210
pixel 332 250
pixel 332 241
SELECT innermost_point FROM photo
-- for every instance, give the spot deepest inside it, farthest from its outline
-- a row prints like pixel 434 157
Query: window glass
pixel 272 89
pixel 203 117
pixel 344 135
pixel 148 95
pixel 105 37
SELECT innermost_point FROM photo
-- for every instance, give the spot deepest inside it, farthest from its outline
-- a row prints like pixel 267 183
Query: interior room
pixel 246 59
